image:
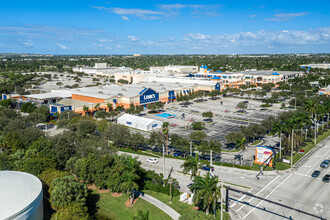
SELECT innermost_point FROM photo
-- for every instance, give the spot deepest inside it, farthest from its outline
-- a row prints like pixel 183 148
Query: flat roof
pixel 18 191
pixel 51 95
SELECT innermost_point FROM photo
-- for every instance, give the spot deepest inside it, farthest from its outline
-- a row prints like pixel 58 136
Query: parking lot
pixel 226 117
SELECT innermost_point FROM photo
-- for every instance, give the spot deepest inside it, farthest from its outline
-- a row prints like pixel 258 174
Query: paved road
pixel 298 190
pixel 227 174
pixel 168 210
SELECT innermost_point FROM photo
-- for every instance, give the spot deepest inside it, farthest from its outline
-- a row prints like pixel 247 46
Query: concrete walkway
pixel 168 210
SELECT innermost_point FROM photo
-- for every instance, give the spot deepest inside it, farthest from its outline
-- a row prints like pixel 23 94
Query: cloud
pixel 63 47
pixel 253 16
pixel 27 43
pixel 104 40
pixel 133 38
pixel 286 16
pixel 164 11
pixel 141 13
pixel 125 18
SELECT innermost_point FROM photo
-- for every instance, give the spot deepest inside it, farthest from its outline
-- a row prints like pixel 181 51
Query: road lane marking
pixel 259 192
pixel 318 162
pixel 267 196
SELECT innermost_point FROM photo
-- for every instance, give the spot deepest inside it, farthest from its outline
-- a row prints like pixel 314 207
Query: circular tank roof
pixel 18 191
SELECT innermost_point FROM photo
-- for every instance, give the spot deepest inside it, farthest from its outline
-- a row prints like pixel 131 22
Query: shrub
pixel 74 211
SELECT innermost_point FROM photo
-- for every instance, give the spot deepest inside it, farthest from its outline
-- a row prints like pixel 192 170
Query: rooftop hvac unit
pixel 161 84
pixel 120 94
pixel 154 81
pixel 101 92
pixel 123 89
pixel 144 87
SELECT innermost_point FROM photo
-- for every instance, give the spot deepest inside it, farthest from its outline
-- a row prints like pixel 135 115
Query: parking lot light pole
pixel 190 148
pixel 164 161
pixel 291 148
pixel 211 159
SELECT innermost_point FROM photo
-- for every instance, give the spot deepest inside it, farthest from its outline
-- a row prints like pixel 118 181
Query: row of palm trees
pixel 299 121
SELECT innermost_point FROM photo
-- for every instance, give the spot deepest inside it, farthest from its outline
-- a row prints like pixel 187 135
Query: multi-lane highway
pixel 293 188
pixel 297 190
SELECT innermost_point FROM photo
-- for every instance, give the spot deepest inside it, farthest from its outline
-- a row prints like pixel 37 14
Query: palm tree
pixel 205 191
pixel 279 127
pixel 165 131
pixel 97 106
pixel 109 105
pixel 310 107
pixel 85 109
pixel 129 184
pixel 240 143
pixel 191 164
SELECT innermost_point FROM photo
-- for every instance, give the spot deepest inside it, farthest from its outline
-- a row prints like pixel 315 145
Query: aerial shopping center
pixel 160 84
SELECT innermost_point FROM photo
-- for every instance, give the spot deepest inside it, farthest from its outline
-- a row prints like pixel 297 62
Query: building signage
pixel 217 86
pixel 262 153
pixel 171 95
pixel 154 125
pixel 149 96
pixel 66 108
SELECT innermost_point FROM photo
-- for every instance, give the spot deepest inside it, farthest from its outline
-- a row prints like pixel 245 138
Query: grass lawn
pixel 256 142
pixel 114 208
pixel 127 150
pixel 178 206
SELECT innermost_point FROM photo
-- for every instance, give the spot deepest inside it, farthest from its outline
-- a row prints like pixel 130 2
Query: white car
pixel 152 160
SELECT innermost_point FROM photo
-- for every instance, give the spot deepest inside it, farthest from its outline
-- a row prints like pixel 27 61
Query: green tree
pixel 191 164
pixel 208 114
pixel 86 127
pixel 242 106
pixel 240 143
pixel 197 136
pixel 166 130
pixel 72 211
pixel 129 184
pixel 28 107
pixel 66 190
pixel 311 107
pixel 205 191
pixel 197 125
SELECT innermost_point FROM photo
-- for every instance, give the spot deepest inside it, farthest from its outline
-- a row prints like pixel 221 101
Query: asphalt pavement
pixel 297 190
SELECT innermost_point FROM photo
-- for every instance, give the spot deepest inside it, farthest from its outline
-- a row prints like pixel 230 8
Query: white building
pixel 21 196
pixel 145 124
pixel 174 69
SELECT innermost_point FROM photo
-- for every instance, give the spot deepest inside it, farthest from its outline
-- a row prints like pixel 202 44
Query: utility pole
pixel 291 148
pixel 315 131
pixel 170 190
pixel 281 145
pixel 190 148
pixel 221 193
pixel 164 161
pixel 211 159
pixel 185 119
pixel 295 103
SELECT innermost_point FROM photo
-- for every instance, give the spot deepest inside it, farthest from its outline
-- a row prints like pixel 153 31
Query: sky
pixel 164 27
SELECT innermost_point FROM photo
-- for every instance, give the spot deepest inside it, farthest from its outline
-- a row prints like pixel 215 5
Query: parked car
pixel 208 120
pixel 316 173
pixel 152 160
pixel 325 164
pixel 326 178
pixel 208 168
pixel 245 101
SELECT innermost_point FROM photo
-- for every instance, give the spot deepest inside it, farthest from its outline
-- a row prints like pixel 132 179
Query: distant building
pixel 316 65
pixel 174 69
pixel 136 55
pixel 325 91
pixel 145 124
